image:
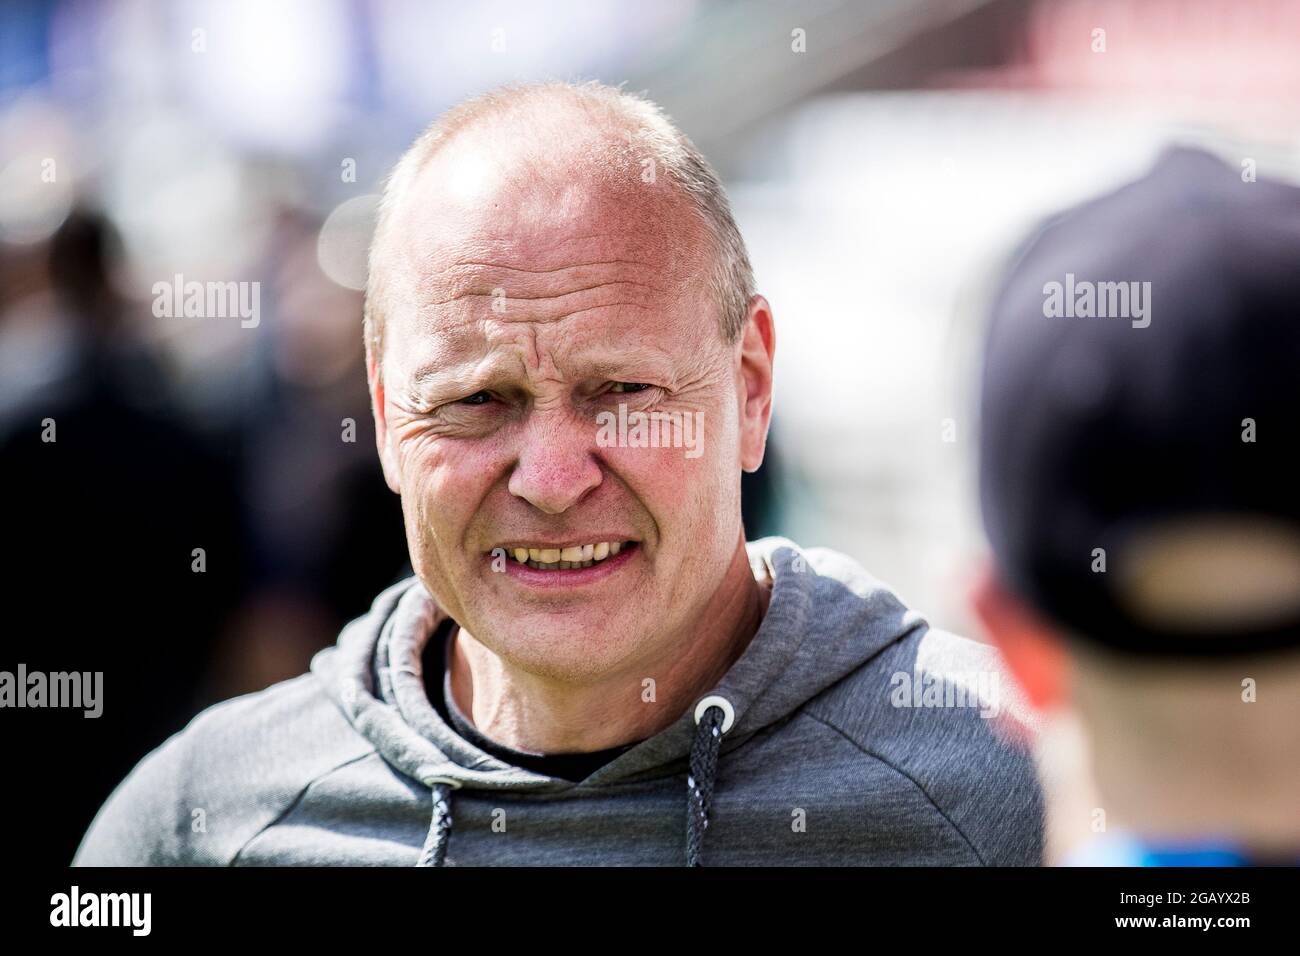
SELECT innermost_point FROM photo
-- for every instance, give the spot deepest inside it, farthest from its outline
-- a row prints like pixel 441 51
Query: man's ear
pixel 757 349
pixel 387 459
pixel 1033 653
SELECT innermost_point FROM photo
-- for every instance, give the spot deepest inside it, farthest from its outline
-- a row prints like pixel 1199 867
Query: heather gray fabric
pixel 825 763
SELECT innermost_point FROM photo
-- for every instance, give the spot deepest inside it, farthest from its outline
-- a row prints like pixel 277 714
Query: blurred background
pixel 883 159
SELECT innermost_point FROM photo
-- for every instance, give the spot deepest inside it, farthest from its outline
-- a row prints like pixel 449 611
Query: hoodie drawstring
pixel 434 852
pixel 713 717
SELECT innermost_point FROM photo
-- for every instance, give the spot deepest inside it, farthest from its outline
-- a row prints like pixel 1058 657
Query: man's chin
pixel 582 643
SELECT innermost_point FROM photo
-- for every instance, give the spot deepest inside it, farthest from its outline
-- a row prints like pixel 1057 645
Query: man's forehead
pixel 497 247
pixel 460 352
pixel 510 206
pixel 526 266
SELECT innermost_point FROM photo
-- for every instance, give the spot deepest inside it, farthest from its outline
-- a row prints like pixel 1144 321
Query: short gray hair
pixel 732 278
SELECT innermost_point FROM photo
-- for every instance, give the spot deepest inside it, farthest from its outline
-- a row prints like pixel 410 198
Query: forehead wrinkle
pixel 516 297
pixel 472 291
pixel 595 352
pixel 544 260
pixel 503 351
pixel 473 274
pixel 469 363
pixel 599 262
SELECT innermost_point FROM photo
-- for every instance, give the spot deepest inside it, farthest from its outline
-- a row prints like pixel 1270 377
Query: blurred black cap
pixel 1143 368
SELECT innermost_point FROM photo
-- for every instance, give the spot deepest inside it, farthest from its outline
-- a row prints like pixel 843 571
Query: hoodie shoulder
pixel 235 769
pixel 942 711
pixel 938 710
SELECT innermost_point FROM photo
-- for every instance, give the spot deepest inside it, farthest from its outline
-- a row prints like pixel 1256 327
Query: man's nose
pixel 556 468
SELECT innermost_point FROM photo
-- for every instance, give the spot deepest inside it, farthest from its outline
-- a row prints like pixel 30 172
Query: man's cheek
pixel 434 510
pixel 654 479
pixel 419 506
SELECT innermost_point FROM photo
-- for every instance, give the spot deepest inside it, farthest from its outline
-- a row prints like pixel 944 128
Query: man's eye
pixel 626 387
pixel 478 398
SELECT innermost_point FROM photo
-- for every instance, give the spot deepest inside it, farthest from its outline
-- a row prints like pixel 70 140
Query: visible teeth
pixel 563 559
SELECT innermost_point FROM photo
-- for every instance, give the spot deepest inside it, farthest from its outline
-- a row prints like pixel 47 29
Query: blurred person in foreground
pixel 590 665
pixel 1140 496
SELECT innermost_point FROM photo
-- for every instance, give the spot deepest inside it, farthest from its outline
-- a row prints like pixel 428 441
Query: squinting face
pixel 517 313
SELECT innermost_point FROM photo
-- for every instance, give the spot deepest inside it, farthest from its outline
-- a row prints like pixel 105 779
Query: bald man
pixel 570 370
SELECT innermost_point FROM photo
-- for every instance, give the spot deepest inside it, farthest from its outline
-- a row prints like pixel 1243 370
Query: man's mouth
pixel 567 557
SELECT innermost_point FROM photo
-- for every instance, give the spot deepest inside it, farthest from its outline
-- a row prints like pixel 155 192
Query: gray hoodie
pixel 848 732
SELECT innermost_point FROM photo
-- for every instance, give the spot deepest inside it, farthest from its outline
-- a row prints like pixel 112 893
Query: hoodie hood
pixel 824 619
